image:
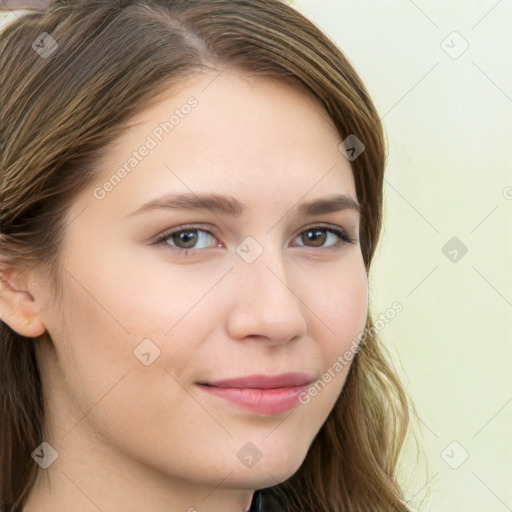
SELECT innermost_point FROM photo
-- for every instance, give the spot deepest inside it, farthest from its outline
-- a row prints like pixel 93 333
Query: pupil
pixel 192 237
pixel 312 238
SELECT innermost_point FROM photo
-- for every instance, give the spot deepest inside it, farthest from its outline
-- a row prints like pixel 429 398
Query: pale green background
pixel 449 128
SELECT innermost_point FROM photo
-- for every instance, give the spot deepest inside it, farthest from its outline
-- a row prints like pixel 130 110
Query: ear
pixel 19 309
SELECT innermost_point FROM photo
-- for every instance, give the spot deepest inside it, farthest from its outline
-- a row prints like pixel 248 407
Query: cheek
pixel 342 310
pixel 155 295
pixel 110 315
pixel 108 385
pixel 343 303
pixel 137 296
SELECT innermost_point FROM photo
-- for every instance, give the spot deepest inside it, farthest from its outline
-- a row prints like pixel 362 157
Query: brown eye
pixel 317 236
pixel 185 239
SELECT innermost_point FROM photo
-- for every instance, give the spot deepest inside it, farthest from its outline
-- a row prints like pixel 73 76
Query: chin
pixel 271 469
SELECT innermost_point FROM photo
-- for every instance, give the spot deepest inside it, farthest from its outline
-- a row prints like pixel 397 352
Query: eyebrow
pixel 228 205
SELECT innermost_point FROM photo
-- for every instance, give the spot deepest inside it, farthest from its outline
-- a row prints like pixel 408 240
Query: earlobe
pixel 18 308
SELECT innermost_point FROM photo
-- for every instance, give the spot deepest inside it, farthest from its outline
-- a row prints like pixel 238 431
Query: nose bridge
pixel 265 303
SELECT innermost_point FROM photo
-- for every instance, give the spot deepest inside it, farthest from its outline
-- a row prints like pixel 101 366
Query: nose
pixel 265 303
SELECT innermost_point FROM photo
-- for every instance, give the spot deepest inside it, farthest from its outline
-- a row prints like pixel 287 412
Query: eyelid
pixel 183 227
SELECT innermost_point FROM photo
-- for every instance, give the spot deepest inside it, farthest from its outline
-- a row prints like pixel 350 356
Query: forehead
pixel 256 138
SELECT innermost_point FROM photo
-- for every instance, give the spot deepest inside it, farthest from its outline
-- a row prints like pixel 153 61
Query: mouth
pixel 267 395
pixel 284 380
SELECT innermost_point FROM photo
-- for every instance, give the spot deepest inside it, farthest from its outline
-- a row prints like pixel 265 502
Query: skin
pixel 134 437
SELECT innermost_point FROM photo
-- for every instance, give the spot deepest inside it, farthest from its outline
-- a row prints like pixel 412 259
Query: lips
pixel 263 394
pixel 285 380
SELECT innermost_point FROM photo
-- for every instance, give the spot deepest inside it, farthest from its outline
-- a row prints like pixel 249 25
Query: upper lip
pixel 284 380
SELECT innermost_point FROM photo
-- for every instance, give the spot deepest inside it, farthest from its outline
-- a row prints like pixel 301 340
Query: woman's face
pixel 266 291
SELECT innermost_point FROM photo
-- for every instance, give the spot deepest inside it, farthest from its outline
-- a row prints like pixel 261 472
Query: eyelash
pixel 161 240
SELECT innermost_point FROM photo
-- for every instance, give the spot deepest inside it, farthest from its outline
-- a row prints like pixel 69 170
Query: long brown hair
pixel 107 61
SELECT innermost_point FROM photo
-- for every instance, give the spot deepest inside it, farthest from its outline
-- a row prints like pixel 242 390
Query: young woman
pixel 190 200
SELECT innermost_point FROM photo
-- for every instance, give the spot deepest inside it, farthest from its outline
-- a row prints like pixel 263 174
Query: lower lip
pixel 264 401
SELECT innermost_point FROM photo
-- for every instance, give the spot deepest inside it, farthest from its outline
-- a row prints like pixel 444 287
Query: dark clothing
pixel 256 502
pixel 262 503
